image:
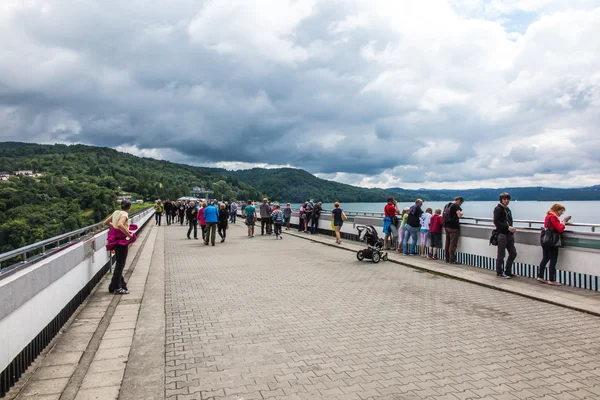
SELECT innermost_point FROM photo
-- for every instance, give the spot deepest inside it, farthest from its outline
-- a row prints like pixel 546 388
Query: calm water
pixel 581 211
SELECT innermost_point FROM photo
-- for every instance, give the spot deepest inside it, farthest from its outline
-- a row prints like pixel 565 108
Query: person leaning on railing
pixel 550 252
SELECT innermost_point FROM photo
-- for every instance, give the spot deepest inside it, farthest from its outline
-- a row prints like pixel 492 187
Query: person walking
pixel 412 228
pixel 287 216
pixel 192 217
pixel 265 217
pixel 338 220
pixel 158 212
pixel 277 216
pixel 201 220
pixel 250 211
pixel 173 212
pixel 233 212
pixel 452 214
pixel 181 212
pixel 314 221
pixel 211 216
pixel 503 221
pixel 550 251
pixel 167 206
pixel 119 239
pixel 223 221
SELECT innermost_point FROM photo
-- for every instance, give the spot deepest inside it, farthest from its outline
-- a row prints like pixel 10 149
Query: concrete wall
pixel 30 299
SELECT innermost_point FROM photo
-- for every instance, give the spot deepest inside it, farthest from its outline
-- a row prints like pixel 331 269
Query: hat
pixel 265 199
pixel 406 209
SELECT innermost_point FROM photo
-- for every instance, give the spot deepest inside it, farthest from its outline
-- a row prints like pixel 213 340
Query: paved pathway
pixel 294 319
pixel 259 318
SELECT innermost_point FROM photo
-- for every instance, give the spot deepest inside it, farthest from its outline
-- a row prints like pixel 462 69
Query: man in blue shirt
pixel 211 216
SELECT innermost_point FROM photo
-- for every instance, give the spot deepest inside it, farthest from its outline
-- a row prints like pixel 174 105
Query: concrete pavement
pixel 295 319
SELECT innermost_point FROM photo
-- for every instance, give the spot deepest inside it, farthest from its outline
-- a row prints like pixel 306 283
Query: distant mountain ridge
pixel 535 193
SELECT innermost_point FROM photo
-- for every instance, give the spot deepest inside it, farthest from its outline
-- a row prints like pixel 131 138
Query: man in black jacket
pixel 506 237
pixel 168 211
pixel 191 213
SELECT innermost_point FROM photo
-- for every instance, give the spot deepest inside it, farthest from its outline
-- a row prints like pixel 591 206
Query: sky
pixel 377 93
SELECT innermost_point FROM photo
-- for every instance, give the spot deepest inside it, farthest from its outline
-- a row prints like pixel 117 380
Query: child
pixel 402 229
pixel 425 220
pixel 277 216
pixel 435 233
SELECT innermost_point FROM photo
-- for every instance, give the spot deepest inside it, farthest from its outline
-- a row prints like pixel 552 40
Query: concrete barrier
pixel 36 301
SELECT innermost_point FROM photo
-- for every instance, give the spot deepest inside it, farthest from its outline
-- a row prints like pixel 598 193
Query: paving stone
pixel 54 371
pixel 44 387
pixel 101 393
pixel 102 379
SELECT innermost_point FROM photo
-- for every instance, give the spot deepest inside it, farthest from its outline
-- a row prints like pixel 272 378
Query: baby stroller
pixel 368 233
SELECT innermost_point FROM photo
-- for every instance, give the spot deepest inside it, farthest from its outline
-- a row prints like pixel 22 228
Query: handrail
pixel 52 245
pixel 476 220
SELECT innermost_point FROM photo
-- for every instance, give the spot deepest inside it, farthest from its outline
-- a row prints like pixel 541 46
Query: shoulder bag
pixel 550 237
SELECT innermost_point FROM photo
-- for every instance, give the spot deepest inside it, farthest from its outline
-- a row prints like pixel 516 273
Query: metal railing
pixel 35 252
pixel 481 221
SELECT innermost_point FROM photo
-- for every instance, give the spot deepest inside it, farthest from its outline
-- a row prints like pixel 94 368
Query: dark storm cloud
pixel 331 87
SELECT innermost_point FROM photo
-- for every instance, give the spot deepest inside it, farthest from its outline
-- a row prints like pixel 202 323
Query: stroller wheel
pixel 376 257
pixel 360 255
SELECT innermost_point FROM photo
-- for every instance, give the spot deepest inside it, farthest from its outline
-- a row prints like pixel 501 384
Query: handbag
pixel 494 238
pixel 332 226
pixel 344 218
pixel 550 238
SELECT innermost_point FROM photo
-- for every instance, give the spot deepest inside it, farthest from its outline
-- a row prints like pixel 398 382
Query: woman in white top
pixel 425 220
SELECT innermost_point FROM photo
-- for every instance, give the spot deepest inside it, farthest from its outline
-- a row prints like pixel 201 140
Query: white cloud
pixel 378 93
pixel 261 28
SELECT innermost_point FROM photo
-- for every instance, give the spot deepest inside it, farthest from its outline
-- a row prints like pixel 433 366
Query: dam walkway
pixel 304 319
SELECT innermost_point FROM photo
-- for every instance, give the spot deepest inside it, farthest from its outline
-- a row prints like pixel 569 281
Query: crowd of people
pixel 407 231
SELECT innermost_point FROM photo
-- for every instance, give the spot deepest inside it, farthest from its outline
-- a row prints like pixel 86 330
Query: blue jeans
pixel 410 231
pixel 232 216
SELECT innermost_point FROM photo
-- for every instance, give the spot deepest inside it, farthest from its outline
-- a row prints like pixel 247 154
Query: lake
pixel 586 212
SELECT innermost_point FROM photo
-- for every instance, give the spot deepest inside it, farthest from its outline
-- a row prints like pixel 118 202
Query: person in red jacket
pixel 435 232
pixel 550 253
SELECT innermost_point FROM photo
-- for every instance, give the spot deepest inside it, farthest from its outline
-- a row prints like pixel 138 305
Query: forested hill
pixel 297 185
pixel 79 186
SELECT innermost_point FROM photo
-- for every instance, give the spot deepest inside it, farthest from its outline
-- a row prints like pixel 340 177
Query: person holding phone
pixel 550 253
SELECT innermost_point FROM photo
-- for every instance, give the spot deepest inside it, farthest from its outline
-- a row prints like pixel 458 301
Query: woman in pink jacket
pixel 119 239
pixel 200 218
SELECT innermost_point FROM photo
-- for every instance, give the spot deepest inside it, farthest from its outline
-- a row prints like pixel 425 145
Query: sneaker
pixel 511 275
pixel 121 291
pixel 222 240
pixel 213 244
pixel 503 276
